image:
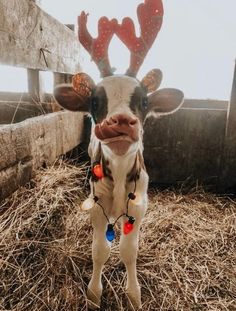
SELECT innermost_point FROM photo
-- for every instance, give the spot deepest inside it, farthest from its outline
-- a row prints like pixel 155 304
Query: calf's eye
pixel 145 103
pixel 94 104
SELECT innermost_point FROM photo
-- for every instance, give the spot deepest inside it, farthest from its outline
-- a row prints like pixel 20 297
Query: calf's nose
pixel 122 119
pixel 119 124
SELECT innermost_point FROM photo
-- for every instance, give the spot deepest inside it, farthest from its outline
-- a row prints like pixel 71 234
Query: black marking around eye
pixel 98 104
pixel 139 102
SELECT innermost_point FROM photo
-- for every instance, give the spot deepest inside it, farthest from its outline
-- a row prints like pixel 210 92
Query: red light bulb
pixel 98 171
pixel 129 225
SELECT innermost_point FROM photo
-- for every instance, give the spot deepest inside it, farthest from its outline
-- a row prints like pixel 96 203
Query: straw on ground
pixel 187 257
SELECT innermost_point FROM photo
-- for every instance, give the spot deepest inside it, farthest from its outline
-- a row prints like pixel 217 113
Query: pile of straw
pixel 187 257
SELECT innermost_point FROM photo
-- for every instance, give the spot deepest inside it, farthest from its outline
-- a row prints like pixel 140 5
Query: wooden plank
pixel 60 78
pixel 228 176
pixel 186 145
pixel 36 142
pixel 22 97
pixel 13 112
pixel 14 177
pixel 205 103
pixel 33 39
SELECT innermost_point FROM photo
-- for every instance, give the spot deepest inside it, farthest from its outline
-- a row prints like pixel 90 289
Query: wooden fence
pixel 197 143
pixel 32 39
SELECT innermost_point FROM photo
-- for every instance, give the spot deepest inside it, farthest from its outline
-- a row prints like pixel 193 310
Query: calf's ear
pixel 67 97
pixel 164 101
pixel 75 96
pixel 152 80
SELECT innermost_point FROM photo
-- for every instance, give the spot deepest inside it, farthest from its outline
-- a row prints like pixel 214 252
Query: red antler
pixel 150 15
pixel 98 47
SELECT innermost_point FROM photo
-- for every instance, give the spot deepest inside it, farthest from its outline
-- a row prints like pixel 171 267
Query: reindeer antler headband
pixel 150 16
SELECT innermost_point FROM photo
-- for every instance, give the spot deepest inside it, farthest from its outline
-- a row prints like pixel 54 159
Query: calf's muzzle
pixel 118 132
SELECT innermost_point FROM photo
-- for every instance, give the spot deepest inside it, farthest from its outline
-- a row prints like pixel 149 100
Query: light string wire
pixel 129 198
pixel 127 204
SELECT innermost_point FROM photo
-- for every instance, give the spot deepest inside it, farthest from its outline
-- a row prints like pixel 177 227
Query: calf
pixel 119 106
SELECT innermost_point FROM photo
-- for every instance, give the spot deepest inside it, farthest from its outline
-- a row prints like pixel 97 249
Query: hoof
pixel 94 299
pixel 92 305
pixel 134 300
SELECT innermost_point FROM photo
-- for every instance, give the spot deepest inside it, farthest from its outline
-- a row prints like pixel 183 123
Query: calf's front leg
pixel 128 254
pixel 100 254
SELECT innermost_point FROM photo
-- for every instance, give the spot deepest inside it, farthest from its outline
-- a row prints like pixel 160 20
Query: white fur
pixel 119 90
pixel 113 197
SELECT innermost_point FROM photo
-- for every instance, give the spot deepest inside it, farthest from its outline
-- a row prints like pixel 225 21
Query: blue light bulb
pixel 110 233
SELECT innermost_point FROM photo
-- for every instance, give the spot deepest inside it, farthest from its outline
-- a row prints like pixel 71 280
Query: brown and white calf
pixel 119 105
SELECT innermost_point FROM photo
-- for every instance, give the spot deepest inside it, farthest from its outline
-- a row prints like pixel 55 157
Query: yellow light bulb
pixel 87 204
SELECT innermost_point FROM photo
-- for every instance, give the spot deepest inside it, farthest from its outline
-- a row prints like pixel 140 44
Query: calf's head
pixel 119 106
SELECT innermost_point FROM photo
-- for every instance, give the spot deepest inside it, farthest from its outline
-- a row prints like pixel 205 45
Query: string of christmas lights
pixel 97 173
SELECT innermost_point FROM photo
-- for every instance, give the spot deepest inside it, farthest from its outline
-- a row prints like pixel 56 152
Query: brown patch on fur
pixel 106 170
pixel 99 103
pixel 134 174
pixel 137 103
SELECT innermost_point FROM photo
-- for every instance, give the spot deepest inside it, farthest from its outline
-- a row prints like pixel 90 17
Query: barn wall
pixel 185 146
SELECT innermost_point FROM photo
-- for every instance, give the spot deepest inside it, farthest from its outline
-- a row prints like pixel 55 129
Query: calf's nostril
pixel 133 122
pixel 114 120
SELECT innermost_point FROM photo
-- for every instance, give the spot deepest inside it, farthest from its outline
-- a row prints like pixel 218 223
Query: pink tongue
pixel 118 137
pixel 104 131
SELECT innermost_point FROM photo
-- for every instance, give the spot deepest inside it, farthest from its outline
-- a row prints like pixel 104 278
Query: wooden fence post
pixel 35 89
pixel 35 85
pixel 228 176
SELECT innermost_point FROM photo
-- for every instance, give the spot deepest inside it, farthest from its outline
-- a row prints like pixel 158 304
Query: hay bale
pixel 186 261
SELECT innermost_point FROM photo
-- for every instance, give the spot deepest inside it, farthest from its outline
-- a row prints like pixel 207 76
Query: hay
pixel 187 257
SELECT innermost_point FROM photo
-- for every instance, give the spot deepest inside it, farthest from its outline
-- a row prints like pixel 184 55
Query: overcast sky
pixel 195 49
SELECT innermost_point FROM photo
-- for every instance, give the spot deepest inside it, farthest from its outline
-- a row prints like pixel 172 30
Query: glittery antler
pixel 150 16
pixel 98 48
